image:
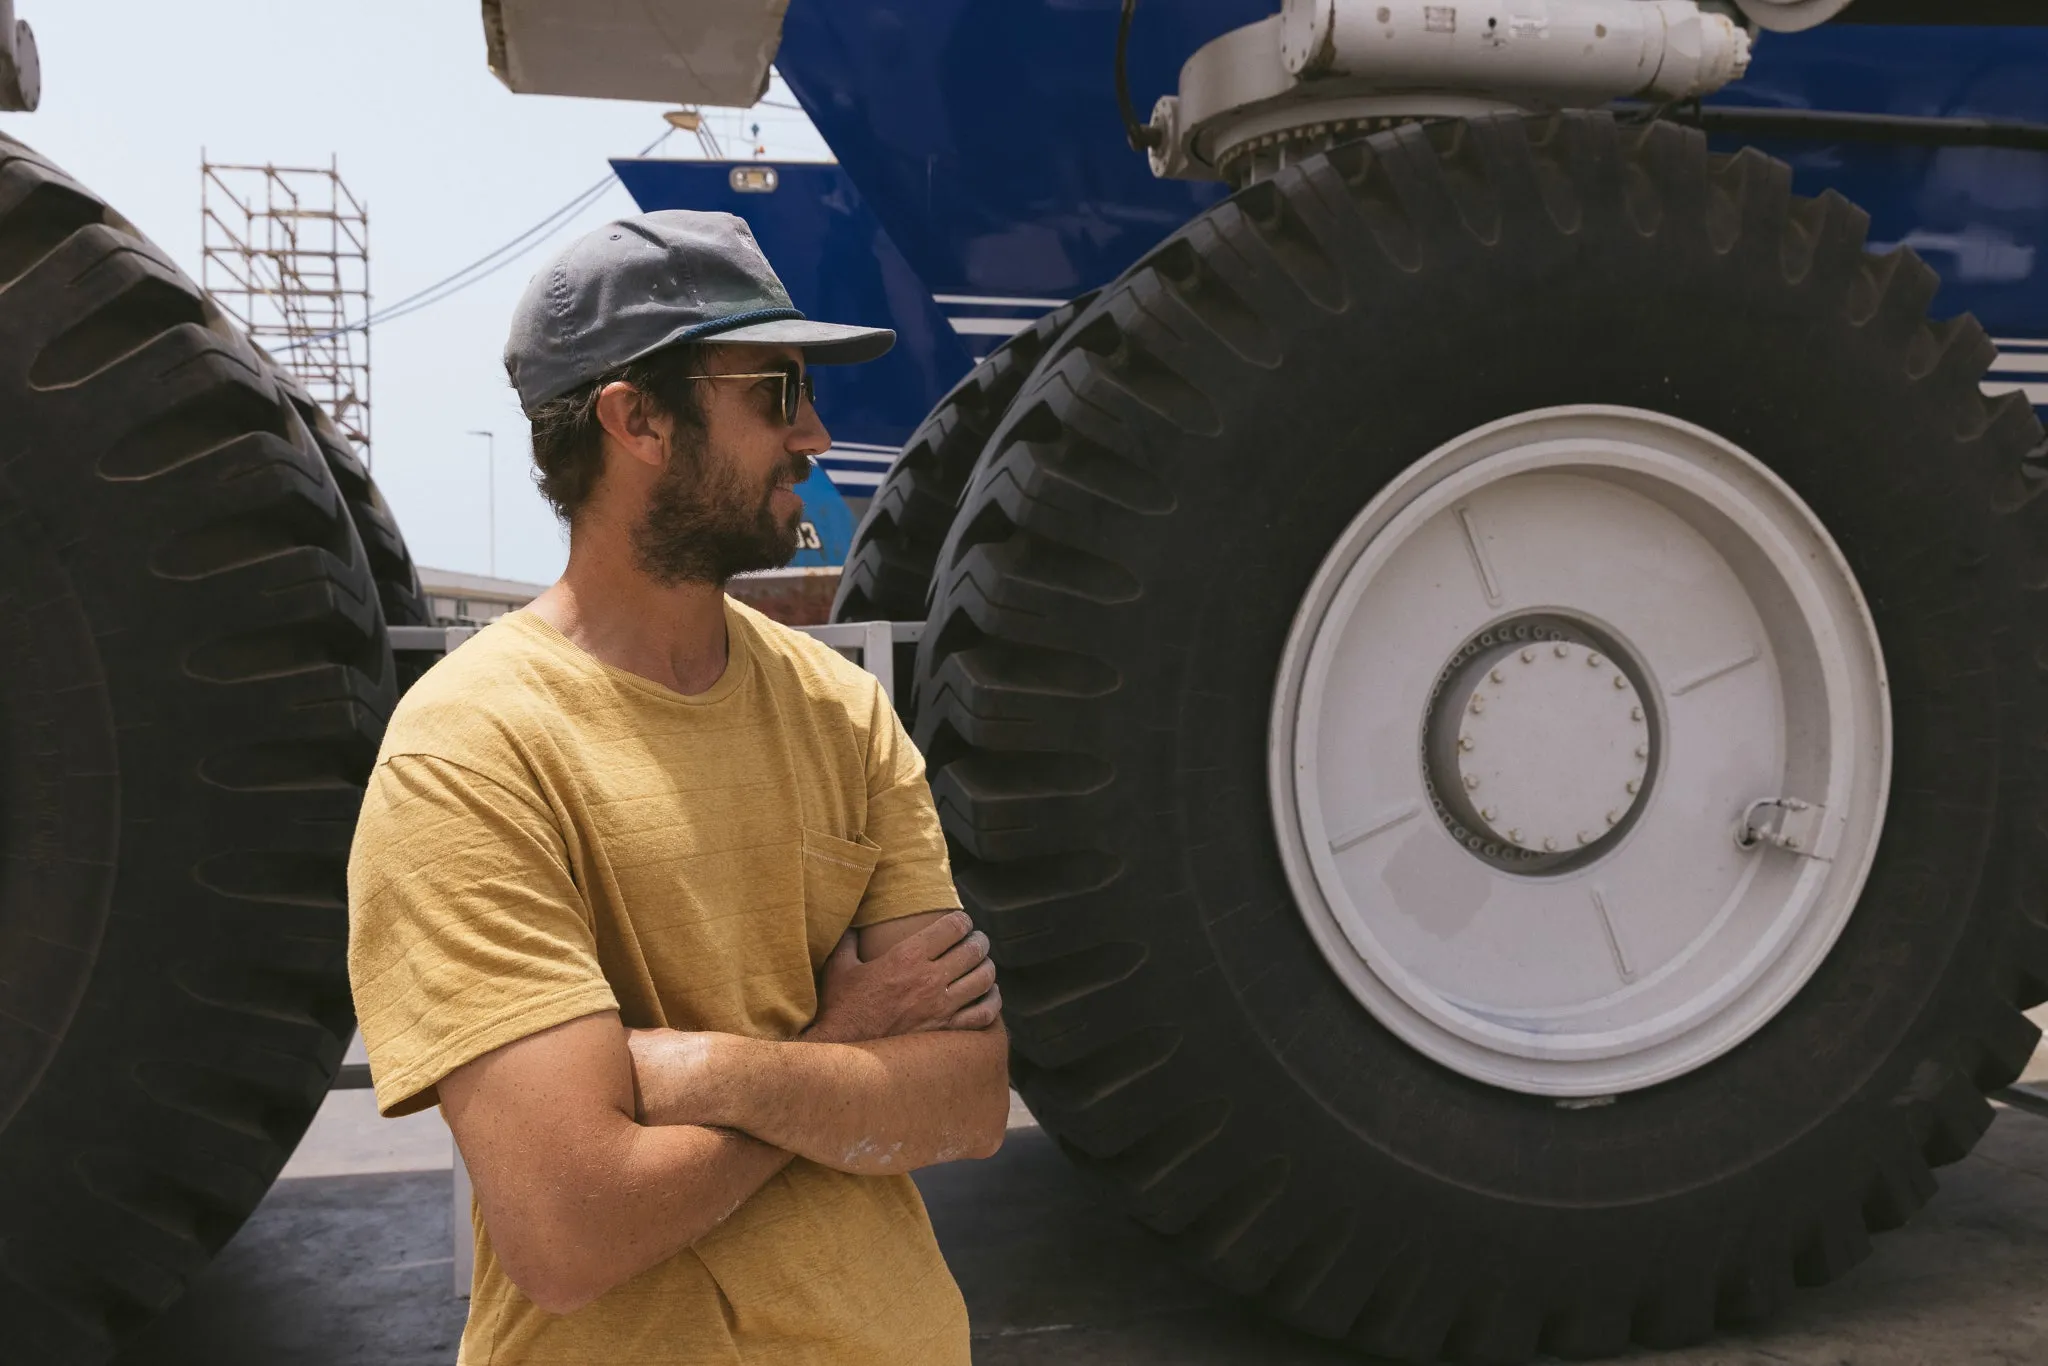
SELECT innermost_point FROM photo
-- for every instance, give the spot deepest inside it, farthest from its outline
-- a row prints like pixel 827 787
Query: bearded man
pixel 648 893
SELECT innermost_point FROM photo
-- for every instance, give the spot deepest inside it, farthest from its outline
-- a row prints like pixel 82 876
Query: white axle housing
pixel 1575 50
pixel 1320 69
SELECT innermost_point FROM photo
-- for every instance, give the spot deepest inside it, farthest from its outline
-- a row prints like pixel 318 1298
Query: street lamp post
pixel 491 491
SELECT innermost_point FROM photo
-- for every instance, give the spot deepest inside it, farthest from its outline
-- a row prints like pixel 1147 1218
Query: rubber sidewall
pixel 204 677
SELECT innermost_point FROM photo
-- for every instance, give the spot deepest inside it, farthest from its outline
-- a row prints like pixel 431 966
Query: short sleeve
pixel 466 930
pixel 911 874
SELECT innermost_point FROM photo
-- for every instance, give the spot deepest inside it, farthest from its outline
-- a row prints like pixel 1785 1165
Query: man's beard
pixel 704 525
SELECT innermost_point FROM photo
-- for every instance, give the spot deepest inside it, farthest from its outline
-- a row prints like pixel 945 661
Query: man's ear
pixel 632 423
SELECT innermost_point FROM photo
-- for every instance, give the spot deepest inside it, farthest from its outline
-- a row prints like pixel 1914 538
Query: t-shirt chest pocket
pixel 836 873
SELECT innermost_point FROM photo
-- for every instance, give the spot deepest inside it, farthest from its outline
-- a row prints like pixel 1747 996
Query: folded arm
pixel 593 1160
pixel 578 1196
pixel 862 1091
pixel 890 1105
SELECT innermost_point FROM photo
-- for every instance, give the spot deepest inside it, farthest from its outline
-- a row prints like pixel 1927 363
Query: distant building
pixel 457 599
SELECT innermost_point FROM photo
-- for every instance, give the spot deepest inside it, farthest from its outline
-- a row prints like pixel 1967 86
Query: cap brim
pixel 822 343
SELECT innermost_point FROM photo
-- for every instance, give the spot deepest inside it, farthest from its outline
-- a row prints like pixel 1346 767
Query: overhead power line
pixel 488 264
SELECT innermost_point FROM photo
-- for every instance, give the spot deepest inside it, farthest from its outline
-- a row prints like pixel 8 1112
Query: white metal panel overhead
pixel 679 51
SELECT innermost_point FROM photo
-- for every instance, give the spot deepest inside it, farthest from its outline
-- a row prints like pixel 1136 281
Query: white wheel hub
pixel 1524 722
pixel 1552 748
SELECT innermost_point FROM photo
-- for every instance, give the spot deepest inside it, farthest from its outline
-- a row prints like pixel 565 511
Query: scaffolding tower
pixel 285 251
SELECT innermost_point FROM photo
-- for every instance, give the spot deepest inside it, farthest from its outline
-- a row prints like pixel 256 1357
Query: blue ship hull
pixel 1007 174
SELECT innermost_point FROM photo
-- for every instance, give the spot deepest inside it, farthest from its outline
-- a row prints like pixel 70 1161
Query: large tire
pixel 888 571
pixel 199 678
pixel 1098 675
pixel 390 563
pixel 391 566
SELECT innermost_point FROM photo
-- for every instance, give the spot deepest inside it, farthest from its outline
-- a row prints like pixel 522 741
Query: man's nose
pixel 808 436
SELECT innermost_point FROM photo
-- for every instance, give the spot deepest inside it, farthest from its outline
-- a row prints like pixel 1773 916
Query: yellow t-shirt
pixel 545 837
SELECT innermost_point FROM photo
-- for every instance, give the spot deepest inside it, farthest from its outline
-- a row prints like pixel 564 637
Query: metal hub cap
pixel 1580 751
pixel 1548 745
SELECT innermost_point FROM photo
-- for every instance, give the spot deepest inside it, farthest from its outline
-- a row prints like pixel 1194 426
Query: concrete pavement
pixel 344 1265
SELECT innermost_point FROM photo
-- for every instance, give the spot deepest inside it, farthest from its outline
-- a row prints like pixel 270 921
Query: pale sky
pixel 449 163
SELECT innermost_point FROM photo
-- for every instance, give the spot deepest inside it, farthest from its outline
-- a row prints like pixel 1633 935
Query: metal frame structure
pixel 285 252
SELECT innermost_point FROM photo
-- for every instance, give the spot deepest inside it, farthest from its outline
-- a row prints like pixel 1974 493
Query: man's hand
pixel 939 977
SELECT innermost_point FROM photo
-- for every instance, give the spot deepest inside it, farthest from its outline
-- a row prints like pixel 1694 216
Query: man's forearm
pixel 650 1195
pixel 873 1108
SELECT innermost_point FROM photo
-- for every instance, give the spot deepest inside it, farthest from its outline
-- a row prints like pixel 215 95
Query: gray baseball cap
pixel 638 284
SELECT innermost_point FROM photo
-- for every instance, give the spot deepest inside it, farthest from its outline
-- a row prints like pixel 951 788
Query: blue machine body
pixel 983 175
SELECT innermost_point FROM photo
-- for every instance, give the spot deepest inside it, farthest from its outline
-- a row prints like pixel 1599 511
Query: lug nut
pixel 1593 660
pixel 1471 781
pixel 1642 751
pixel 1620 680
pixel 1528 656
pixel 1465 743
pixel 1633 787
pixel 1549 845
pixel 1563 651
pixel 1486 813
pixel 1496 676
pixel 1635 713
pixel 1585 837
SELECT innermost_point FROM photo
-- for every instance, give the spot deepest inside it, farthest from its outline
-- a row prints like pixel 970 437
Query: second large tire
pixel 1098 674
pixel 888 572
pixel 384 549
pixel 198 678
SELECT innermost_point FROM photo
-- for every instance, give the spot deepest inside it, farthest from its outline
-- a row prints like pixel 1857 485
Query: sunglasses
pixel 795 390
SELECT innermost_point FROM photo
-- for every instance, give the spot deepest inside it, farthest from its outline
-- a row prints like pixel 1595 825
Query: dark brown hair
pixel 568 440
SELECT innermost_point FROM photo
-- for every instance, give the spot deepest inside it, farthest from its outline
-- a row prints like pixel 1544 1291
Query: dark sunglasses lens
pixel 796 388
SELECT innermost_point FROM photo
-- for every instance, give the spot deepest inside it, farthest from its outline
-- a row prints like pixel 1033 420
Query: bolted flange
pixel 1558 749
pixel 1539 744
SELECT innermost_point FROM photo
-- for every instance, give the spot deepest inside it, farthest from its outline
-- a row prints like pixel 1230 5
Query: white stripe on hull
pixel 990 327
pixel 2012 370
pixel 2037 394
pixel 996 301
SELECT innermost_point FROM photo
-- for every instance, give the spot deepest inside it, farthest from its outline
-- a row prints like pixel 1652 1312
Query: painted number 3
pixel 807 537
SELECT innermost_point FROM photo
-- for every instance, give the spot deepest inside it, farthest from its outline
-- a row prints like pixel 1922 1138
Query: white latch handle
pixel 1797 827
